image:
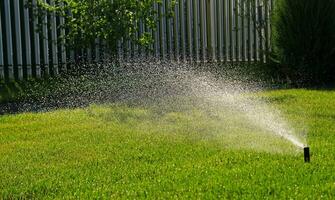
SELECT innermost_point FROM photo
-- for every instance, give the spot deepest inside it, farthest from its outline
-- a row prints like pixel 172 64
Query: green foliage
pixel 9 91
pixel 120 152
pixel 304 39
pixel 109 21
pixel 32 89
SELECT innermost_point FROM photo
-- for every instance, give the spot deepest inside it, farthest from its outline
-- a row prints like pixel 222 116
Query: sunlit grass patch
pixel 123 151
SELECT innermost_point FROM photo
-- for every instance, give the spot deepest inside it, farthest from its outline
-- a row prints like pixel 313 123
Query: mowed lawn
pixel 114 151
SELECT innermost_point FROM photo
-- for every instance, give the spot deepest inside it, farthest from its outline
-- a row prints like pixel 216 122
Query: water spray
pixel 307 154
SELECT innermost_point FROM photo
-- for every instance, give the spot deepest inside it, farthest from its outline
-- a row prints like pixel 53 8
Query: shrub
pixel 107 20
pixel 304 40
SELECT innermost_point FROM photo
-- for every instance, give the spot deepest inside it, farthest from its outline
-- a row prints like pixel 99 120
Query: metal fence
pixel 200 30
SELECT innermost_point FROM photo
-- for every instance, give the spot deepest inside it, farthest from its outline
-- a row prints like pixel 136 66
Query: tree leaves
pixel 111 21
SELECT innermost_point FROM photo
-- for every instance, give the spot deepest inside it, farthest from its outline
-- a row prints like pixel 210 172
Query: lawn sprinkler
pixel 307 155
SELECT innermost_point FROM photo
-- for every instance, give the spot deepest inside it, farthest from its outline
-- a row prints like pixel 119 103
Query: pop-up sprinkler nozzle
pixel 307 155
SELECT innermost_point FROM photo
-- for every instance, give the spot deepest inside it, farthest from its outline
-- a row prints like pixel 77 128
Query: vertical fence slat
pixel 237 30
pixel 147 49
pixel 218 29
pixel 176 33
pixel 230 30
pixel 222 29
pixel 189 29
pixel 72 55
pixel 45 44
pixel 208 29
pixel 210 20
pixel 260 21
pixel 214 32
pixel 97 51
pixel 37 52
pixel 129 50
pixel 234 30
pixel 267 30
pixel 54 49
pixel 182 28
pixel 165 32
pixel 119 51
pixel 137 37
pixel 202 30
pixel 122 50
pixel 249 43
pixel 161 31
pixel 62 43
pixel 27 40
pixel 271 5
pixel 89 54
pixel 18 71
pixel 206 55
pixel 255 31
pixel 243 32
pixel 105 53
pixel 131 47
pixel 9 41
pixel 225 30
pixel 156 34
pixel 139 34
pixel 2 64
pixel 168 29
pixel 195 30
pixel 130 54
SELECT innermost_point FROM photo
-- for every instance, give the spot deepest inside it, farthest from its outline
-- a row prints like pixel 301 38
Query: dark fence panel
pixel 200 30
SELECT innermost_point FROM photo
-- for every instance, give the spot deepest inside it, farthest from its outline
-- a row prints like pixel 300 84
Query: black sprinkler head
pixel 307 155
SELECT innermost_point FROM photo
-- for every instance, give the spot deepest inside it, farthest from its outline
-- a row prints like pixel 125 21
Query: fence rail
pixel 200 30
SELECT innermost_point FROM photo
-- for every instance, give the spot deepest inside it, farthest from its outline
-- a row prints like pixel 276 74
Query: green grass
pixel 115 151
